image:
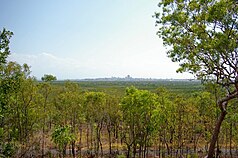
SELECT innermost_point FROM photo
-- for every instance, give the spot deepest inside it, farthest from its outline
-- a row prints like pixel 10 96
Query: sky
pixel 76 39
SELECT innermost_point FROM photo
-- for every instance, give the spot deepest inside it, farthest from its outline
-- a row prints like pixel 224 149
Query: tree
pixel 62 136
pixel 205 104
pixel 95 107
pixel 112 119
pixel 4 45
pixel 45 90
pixel 202 37
pixel 71 111
pixel 140 110
pixel 4 52
pixel 20 113
pixel 48 78
pixel 167 120
pixel 4 89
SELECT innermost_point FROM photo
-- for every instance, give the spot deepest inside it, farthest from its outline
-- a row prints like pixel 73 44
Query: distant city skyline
pixel 79 39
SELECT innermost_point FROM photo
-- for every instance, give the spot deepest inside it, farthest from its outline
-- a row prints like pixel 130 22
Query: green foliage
pixel 202 36
pixel 62 136
pixel 70 106
pixel 4 46
pixel 121 156
pixel 95 106
pixel 48 78
pixel 9 149
pixel 18 109
pixel 139 118
pixel 140 110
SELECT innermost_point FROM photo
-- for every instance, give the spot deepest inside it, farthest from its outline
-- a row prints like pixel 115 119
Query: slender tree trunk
pixel 128 151
pixel 73 148
pixel 134 149
pixel 99 138
pixel 215 134
pixel 160 146
pixel 43 141
pixel 145 147
pixel 87 136
pixel 109 138
pixel 64 150
pixel 140 149
pixel 44 124
pixel 231 139
pixel 117 138
pixel 73 124
pixel 91 139
pixel 43 137
pixel 80 141
pixel 226 150
pixel 155 148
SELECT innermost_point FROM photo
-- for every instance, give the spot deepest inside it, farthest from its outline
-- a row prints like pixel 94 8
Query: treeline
pixel 43 119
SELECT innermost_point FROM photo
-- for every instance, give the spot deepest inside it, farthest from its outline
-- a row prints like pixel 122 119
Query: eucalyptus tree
pixel 48 78
pixel 229 129
pixel 6 87
pixel 206 106
pixel 21 114
pixel 71 110
pixel 167 120
pixel 5 36
pixel 233 128
pixel 112 119
pixel 62 136
pixel 4 53
pixel 202 37
pixel 26 105
pixel 95 107
pixel 140 110
pixel 45 89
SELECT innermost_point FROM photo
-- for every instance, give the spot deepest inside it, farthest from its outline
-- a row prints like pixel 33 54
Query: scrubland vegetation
pixel 69 118
pixel 49 118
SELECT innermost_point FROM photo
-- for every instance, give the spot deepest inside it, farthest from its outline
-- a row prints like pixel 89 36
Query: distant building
pixel 128 77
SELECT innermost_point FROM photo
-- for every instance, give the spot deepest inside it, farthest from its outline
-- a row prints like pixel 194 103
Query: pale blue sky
pixel 75 39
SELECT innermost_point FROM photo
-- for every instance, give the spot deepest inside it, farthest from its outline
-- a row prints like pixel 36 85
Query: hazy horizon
pixel 116 77
pixel 84 39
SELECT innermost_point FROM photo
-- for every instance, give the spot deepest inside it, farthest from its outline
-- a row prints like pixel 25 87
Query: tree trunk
pixel 134 149
pixel 226 148
pixel 215 134
pixel 43 141
pixel 231 139
pixel 73 148
pixel 44 124
pixel 145 147
pixel 140 149
pixel 218 149
pixel 80 141
pixel 99 138
pixel 109 138
pixel 64 150
pixel 91 138
pixel 87 137
pixel 222 105
pixel 128 151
